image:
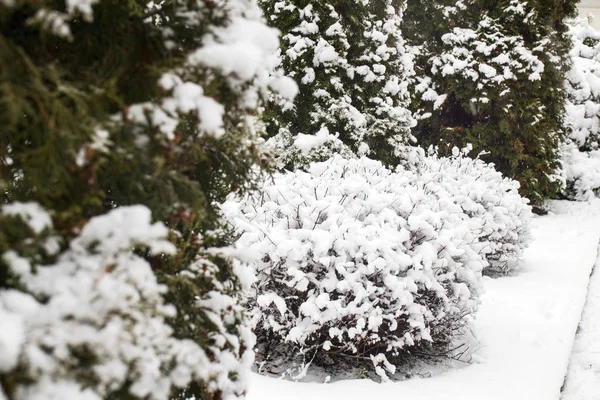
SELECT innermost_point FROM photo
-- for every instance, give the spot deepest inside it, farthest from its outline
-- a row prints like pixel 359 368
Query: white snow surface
pixel 526 326
pixel 583 379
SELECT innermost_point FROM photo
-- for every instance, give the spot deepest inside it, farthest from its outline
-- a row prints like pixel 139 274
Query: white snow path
pixel 583 378
pixel 526 326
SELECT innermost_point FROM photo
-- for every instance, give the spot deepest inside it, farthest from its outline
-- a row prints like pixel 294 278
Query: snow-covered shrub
pixel 92 323
pixel 350 63
pixel 581 152
pixel 484 195
pixel 356 260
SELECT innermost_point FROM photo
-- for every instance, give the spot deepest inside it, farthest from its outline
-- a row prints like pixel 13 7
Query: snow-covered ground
pixel 526 326
pixel 583 378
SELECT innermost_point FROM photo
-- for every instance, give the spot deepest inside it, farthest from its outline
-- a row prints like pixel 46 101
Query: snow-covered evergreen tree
pixel 581 150
pixel 491 76
pixel 351 65
pixel 124 123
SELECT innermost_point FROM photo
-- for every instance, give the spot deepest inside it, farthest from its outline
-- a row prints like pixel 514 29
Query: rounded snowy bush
pixel 485 196
pixel 356 260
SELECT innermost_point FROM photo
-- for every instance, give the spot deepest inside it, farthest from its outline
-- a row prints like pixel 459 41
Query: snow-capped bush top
pixel 32 213
pixel 357 259
pixel 298 151
pixel 581 152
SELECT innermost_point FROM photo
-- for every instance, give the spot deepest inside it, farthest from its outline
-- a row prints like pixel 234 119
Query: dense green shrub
pixel 491 74
pixel 351 65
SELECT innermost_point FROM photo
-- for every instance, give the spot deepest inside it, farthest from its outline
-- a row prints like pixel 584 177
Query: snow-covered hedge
pixel 581 152
pixel 357 260
pixel 93 322
pixel 487 197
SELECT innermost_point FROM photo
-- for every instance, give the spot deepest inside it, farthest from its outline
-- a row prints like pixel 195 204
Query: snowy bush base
pixel 298 151
pixel 427 361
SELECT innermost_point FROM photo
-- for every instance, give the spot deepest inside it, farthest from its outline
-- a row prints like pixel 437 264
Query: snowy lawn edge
pixel 581 382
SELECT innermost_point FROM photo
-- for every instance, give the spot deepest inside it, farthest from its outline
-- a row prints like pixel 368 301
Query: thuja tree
pixel 350 63
pixel 581 151
pixel 492 76
pixel 123 123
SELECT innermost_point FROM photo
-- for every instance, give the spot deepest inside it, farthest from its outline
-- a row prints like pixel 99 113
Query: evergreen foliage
pixel 349 60
pixel 105 105
pixel 492 76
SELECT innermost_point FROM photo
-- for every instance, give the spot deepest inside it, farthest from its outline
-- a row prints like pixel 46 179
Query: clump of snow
pixel 11 340
pixel 57 21
pixel 581 152
pixel 357 260
pixel 32 213
pixel 298 151
pixel 241 51
pixel 93 322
